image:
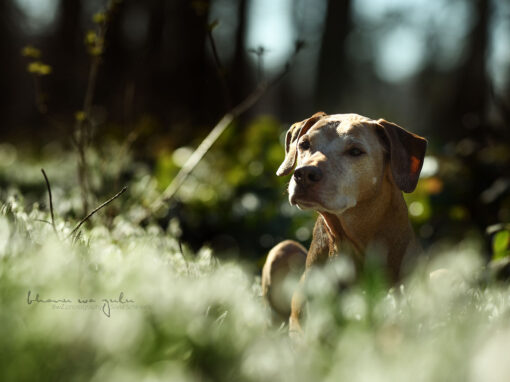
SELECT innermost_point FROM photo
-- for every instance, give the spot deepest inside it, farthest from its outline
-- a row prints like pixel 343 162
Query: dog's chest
pixel 347 249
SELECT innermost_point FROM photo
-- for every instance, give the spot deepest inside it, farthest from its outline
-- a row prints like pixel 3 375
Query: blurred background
pixel 168 70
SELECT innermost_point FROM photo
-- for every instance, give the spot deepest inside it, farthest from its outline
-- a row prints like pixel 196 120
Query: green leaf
pixel 80 116
pixel 91 37
pixel 99 18
pixel 500 243
pixel 39 68
pixel 30 51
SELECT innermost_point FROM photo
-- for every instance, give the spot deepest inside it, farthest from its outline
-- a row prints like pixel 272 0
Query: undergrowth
pixel 129 302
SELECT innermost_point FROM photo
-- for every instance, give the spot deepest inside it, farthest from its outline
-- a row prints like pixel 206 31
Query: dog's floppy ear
pixel 407 151
pixel 293 135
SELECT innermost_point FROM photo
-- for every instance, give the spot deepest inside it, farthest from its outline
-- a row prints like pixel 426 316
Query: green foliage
pixel 132 303
pixel 501 244
pixel 234 191
pixel 80 116
pixel 31 52
pixel 95 38
pixel 36 66
pixel 94 43
pixel 39 68
pixel 99 18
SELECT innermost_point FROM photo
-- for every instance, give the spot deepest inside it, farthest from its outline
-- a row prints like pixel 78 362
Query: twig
pixel 77 237
pixel 82 129
pixel 39 96
pixel 211 138
pixel 97 209
pixel 92 81
pixel 43 221
pixel 51 202
pixel 82 172
pixel 215 133
pixel 259 52
pixel 183 256
pixel 84 123
pixel 81 126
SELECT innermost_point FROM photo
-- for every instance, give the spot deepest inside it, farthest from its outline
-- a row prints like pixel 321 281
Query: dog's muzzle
pixel 304 185
pixel 307 175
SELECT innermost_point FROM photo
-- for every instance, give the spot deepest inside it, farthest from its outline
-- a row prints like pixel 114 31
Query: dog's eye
pixel 355 152
pixel 304 144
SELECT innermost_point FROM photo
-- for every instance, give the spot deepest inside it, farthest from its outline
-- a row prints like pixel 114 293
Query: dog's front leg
pixel 296 308
pixel 319 251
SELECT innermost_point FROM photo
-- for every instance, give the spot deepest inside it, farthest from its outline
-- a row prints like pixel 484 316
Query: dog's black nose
pixel 308 175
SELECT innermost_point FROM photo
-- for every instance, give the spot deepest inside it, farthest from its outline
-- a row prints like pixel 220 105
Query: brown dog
pixel 352 171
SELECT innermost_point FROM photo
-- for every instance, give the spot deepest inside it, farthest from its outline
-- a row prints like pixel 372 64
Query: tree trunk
pixel 239 74
pixel 67 54
pixel 333 73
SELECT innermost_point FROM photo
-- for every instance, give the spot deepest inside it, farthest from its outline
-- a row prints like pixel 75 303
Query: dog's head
pixel 340 160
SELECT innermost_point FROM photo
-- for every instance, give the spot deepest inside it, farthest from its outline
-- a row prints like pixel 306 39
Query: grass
pixel 132 304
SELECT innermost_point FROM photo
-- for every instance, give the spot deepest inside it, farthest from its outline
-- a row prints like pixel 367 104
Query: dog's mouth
pixel 302 202
pixel 313 201
pixel 304 198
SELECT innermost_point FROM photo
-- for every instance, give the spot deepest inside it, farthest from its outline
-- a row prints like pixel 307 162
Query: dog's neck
pixel 381 222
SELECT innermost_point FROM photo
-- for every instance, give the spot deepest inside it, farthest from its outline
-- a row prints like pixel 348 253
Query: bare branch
pixel 192 161
pixel 43 221
pixel 260 51
pixel 84 124
pixel 216 132
pixel 40 101
pixel 81 128
pixel 51 202
pixel 97 209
